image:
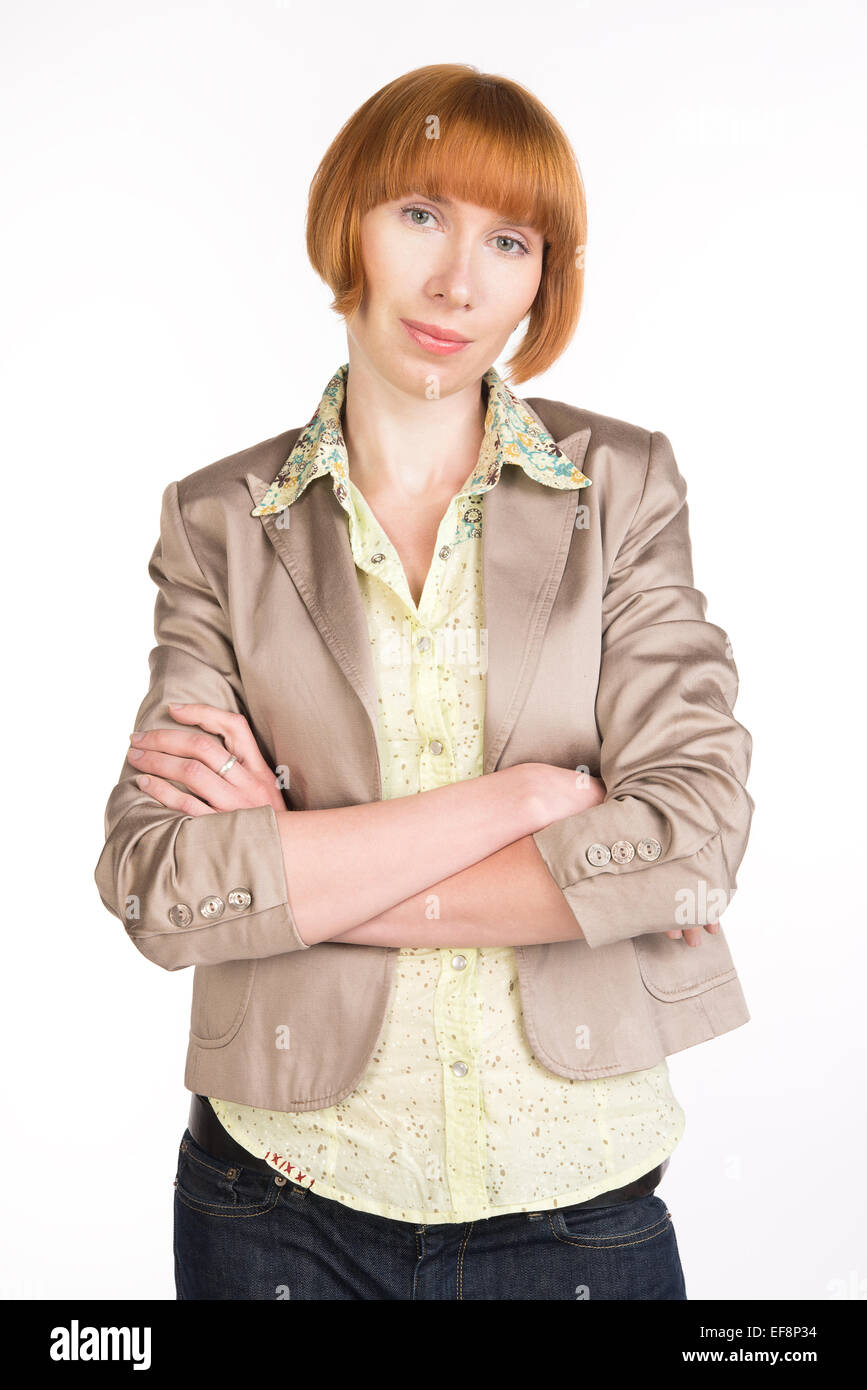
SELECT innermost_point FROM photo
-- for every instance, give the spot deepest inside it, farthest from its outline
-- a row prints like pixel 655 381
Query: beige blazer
pixel 599 655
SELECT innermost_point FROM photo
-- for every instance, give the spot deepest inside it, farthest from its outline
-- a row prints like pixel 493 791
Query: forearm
pixel 506 899
pixel 348 865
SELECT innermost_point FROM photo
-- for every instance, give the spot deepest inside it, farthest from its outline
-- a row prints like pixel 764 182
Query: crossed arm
pixel 508 898
pixel 455 866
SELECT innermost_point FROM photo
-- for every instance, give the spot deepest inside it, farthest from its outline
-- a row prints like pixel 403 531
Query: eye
pixel 523 249
pixel 424 211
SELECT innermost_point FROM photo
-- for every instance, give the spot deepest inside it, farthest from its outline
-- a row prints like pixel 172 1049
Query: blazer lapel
pixel 315 549
pixel 526 536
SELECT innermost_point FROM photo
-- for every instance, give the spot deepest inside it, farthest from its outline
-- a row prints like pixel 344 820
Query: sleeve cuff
pixel 221 894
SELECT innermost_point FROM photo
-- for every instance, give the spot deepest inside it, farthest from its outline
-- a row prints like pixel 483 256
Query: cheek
pixel 392 260
pixel 514 293
pixel 531 280
pixel 388 287
pixel 374 253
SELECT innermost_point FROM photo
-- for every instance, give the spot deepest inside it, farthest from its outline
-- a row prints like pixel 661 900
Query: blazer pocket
pixel 221 994
pixel 671 970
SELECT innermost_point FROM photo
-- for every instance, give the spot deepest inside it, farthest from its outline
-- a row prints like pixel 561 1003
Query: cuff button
pixel 649 849
pixel 239 897
pixel 598 854
pixel 180 915
pixel 212 907
pixel 622 851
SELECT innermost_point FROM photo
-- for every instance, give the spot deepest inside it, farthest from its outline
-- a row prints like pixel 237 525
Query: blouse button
pixel 435 746
pixel 460 1068
pixel 459 962
pixel 423 644
pixel 377 558
pixel 444 552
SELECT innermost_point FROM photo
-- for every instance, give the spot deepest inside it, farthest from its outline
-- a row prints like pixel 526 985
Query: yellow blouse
pixel 454 1119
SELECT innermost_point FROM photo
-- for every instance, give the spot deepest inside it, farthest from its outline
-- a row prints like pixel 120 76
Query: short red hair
pixel 497 146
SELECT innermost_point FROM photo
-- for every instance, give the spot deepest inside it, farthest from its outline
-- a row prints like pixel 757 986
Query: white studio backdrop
pixel 159 313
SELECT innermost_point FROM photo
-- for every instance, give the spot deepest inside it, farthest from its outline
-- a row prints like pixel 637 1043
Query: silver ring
pixel 230 762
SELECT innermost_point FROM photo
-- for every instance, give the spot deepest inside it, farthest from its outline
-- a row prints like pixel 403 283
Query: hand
pixel 693 935
pixel 194 759
pixel 566 791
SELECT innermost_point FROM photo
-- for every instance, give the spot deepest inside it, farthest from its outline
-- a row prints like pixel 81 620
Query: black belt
pixel 214 1138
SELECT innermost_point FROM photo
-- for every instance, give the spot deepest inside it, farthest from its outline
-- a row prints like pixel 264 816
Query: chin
pixel 452 372
pixel 415 374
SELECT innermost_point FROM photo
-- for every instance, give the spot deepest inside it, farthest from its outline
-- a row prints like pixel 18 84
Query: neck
pixel 407 445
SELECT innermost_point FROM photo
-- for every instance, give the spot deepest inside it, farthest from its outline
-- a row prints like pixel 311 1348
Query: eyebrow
pixel 447 203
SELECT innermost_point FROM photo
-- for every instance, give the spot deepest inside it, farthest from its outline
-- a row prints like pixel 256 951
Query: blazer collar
pixel 526 536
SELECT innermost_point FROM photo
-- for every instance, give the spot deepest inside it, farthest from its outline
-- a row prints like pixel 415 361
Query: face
pixel 448 266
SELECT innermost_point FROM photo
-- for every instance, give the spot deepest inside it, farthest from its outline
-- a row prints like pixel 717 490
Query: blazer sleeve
pixel 674 760
pixel 159 866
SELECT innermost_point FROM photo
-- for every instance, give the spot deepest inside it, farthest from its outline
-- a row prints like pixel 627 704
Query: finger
pixel 169 796
pixel 675 935
pixel 193 776
pixel 693 936
pixel 230 726
pixel 192 743
pixel 713 927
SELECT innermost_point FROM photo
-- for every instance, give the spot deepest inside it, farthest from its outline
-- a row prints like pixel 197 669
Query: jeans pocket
pixel 635 1222
pixel 213 1187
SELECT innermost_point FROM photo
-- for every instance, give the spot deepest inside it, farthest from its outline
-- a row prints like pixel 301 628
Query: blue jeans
pixel 244 1234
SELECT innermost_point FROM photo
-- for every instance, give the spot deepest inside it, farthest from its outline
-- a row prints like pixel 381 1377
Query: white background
pixel 160 313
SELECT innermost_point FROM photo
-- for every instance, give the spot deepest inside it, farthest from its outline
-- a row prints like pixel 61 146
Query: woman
pixel 437 782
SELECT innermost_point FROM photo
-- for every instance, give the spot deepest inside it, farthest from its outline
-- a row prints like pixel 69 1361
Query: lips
pixel 429 337
pixel 430 330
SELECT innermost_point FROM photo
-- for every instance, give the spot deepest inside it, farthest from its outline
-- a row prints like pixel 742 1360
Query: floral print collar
pixel 512 435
